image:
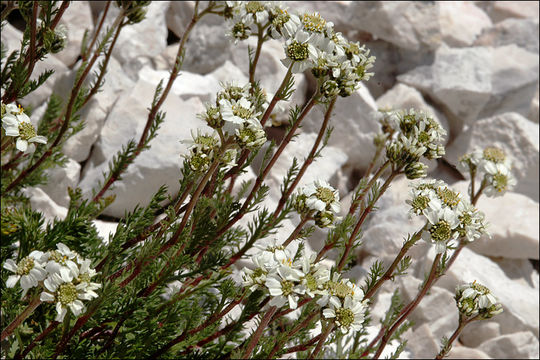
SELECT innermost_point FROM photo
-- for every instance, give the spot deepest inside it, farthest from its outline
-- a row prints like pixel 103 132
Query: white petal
pixel 329 313
pixel 12 280
pixel 10 265
pixel 292 302
pixel 61 314
pixel 45 296
pixel 27 282
pixel 21 144
pixel 39 139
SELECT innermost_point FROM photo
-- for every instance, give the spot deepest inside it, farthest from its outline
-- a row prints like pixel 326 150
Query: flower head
pixel 30 271
pixel 17 124
pixel 474 299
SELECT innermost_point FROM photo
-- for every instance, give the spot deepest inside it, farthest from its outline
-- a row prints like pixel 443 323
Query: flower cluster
pixel 235 117
pixel 449 214
pixel 493 166
pixel 17 124
pixel 473 300
pixel 286 280
pixel 310 43
pixel 319 200
pixel 411 135
pixel 64 275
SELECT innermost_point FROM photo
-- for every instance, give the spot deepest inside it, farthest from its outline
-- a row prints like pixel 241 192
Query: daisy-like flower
pixel 62 258
pixel 441 228
pixel 283 285
pixel 322 199
pixel 85 275
pixel 300 52
pixel 17 124
pixel 472 222
pixel 59 288
pixel 30 271
pixel 475 299
pixel 202 142
pixel 422 201
pixel 347 314
pixel 499 179
pixel 250 135
pixel 315 275
pixel 283 23
pixel 254 12
pixel 235 113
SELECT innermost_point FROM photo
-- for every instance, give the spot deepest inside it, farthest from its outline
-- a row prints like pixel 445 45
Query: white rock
pixel 500 10
pixel 422 343
pixel 478 81
pixel 207 48
pixel 186 85
pixel 59 178
pixel 461 22
pixel 514 234
pixel 152 168
pixel 105 229
pixel 463 352
pixel 519 345
pixel 476 332
pixel 402 96
pixel 408 25
pixel 322 168
pixel 179 15
pixel 520 312
pixel 513 133
pixel 147 38
pixel 41 202
pixel 520 270
pixel 437 308
pixel 522 32
pixel 77 18
pixel 11 38
pixel 533 111
pixel 228 72
pixel 354 127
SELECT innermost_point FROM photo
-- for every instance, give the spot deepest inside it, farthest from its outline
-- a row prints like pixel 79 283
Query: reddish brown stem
pixel 431 278
pixel 254 340
pixel 19 319
pixel 291 333
pixel 38 338
pixel 322 340
pixel 303 347
pixel 97 31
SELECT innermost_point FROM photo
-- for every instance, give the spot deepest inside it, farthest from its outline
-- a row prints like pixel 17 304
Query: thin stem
pixel 40 337
pixel 388 274
pixel 475 198
pixel 19 319
pixel 322 340
pixel 67 117
pixel 308 160
pixel 253 65
pixel 293 331
pixel 302 347
pixel 361 220
pixel 258 333
pixel 296 231
pixel 431 278
pixel 448 346
pixel 154 110
pixel 96 32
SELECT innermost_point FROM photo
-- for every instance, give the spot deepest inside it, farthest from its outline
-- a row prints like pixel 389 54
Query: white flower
pixel 283 23
pixel 473 299
pixel 235 113
pixel 315 274
pixel 321 196
pixel 17 124
pixel 441 225
pixel 29 271
pixel 348 314
pixel 283 285
pixel 499 179
pixel 300 52
pixel 250 134
pixel 472 222
pixel 62 258
pixel 59 288
pixel 265 262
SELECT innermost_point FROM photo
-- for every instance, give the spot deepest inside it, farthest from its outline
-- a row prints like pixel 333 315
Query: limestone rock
pixel 478 81
pixel 422 343
pixel 461 22
pixel 77 18
pixel 228 72
pixel 513 133
pixel 522 32
pixel 147 38
pixel 533 112
pixel 520 312
pixel 322 168
pixel 105 229
pixel 501 10
pixel 519 345
pixel 514 234
pixel 334 11
pixel 59 178
pixel 477 332
pixel 354 126
pixel 152 168
pixel 406 24
pixel 41 202
pixel 463 352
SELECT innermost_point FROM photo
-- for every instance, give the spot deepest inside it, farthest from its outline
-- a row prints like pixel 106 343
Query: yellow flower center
pixel 494 154
pixel 314 22
pixel 24 267
pixel 26 130
pixel 66 293
pixel 344 316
